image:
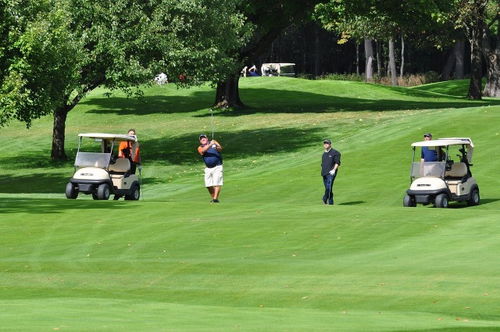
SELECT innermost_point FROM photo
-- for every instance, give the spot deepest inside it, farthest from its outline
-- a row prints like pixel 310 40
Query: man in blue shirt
pixel 429 154
pixel 211 154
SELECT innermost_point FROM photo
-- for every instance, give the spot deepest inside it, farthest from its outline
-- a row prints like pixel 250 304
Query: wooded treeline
pixel 317 52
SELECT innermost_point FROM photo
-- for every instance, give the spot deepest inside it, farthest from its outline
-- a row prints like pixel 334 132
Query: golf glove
pixel 332 172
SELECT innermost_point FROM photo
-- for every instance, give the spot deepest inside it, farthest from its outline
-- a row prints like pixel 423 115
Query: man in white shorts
pixel 211 154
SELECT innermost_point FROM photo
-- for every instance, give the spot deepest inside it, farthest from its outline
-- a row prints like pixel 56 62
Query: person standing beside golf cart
pixel 131 151
pixel 330 163
pixel 211 154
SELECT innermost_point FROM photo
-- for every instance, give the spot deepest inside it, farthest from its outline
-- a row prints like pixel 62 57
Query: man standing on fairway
pixel 329 168
pixel 210 152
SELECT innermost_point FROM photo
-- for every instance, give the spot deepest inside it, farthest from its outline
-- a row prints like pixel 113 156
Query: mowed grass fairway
pixel 270 256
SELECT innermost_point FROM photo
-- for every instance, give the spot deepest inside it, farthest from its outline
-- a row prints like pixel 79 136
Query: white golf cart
pixel 278 69
pixel 447 179
pixel 99 172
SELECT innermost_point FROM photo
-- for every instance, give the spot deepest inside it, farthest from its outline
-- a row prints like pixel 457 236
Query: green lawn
pixel 270 256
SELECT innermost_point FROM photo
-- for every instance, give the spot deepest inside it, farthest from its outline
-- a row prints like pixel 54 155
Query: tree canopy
pixel 59 50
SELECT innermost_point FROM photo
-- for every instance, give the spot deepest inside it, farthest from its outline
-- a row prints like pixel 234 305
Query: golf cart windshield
pixel 92 159
pixel 448 151
pixel 428 168
pixel 95 149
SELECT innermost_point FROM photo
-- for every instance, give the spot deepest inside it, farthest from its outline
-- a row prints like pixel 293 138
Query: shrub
pixel 342 77
pixel 406 80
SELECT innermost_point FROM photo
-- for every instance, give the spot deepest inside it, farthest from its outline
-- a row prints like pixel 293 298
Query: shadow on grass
pixel 461 205
pixel 53 206
pixel 181 150
pixel 37 160
pixel 151 104
pixel 35 183
pixel 281 101
pixel 489 200
pixel 53 183
pixel 353 203
pixel 278 101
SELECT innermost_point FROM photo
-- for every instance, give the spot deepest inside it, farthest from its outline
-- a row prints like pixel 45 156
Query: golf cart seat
pixel 457 172
pixel 121 166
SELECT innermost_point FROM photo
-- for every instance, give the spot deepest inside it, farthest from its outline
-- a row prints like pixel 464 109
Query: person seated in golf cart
pixel 131 151
pixel 429 154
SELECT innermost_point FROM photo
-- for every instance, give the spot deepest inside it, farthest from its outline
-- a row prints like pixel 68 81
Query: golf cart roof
pixel 446 142
pixel 113 137
pixel 281 64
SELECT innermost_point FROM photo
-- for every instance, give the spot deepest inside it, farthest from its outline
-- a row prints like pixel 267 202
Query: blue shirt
pixel 429 154
pixel 212 157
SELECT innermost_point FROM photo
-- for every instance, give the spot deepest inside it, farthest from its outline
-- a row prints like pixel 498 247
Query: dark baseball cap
pixel 427 135
pixel 202 135
pixel 327 141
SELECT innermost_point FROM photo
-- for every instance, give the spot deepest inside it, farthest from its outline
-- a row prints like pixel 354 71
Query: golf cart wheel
pixel 409 201
pixel 103 191
pixel 441 201
pixel 474 197
pixel 135 193
pixel 71 191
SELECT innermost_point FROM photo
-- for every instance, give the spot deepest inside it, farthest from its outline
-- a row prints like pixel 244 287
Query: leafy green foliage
pixel 380 19
pixel 58 50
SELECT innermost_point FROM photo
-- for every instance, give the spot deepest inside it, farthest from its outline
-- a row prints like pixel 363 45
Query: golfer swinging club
pixel 330 163
pixel 210 152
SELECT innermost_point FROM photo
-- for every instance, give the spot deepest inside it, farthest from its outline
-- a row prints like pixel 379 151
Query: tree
pixel 353 21
pixel 480 19
pixel 63 49
pixel 491 50
pixel 383 21
pixel 267 18
pixel 369 59
pixel 455 61
pixel 470 16
pixel 392 63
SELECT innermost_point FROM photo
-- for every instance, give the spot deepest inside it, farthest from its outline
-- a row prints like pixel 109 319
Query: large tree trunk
pixel 476 70
pixel 392 63
pixel 357 59
pixel 58 134
pixel 317 52
pixel 492 57
pixel 475 31
pixel 455 61
pixel 459 51
pixel 379 59
pixel 228 94
pixel 59 126
pixel 448 66
pixel 368 60
pixel 401 68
